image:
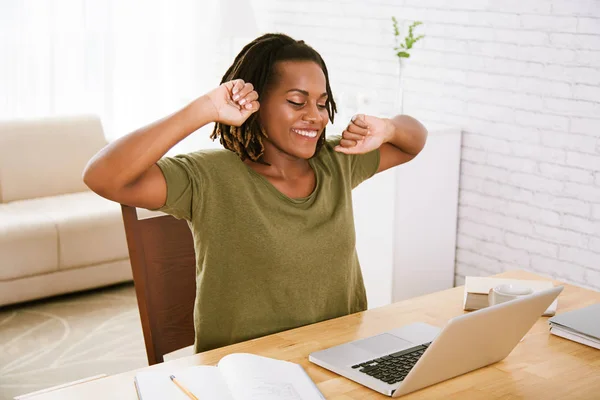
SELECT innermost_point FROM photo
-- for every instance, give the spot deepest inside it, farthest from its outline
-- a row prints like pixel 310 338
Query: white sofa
pixel 56 236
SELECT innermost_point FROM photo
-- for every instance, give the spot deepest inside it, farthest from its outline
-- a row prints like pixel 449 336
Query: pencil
pixel 183 389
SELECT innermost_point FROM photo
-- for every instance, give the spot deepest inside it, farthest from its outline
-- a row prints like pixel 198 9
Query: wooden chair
pixel 161 251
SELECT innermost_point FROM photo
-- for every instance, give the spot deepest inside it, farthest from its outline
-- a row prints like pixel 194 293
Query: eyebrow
pixel 304 92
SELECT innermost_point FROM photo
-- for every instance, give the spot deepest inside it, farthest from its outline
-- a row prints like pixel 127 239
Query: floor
pixel 63 339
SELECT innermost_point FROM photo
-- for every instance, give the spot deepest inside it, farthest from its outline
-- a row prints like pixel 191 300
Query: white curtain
pixel 128 61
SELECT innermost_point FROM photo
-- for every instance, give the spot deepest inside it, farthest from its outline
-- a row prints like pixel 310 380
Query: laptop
pixel 418 355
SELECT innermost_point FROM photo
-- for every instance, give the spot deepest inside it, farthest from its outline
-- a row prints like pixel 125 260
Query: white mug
pixel 506 292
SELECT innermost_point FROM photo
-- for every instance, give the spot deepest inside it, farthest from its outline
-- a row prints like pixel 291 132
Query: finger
pixel 247 88
pixel 252 106
pixel 250 97
pixel 238 85
pixel 345 150
pixel 359 120
pixel 347 143
pixel 358 130
pixel 352 136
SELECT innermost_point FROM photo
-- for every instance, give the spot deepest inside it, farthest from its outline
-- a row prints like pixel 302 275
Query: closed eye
pixel 323 106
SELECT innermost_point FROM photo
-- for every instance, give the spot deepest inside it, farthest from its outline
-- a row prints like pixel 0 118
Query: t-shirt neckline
pixel 274 190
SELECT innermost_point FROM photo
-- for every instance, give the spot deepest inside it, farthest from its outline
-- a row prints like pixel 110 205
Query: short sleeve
pixel 182 185
pixel 362 166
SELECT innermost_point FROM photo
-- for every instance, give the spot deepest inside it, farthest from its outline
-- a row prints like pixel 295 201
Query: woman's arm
pixel 125 171
pixel 405 139
pixel 398 139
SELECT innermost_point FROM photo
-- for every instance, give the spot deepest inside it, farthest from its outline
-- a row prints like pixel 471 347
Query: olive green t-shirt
pixel 266 262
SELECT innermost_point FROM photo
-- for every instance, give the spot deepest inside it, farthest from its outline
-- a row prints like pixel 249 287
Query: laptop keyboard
pixel 394 367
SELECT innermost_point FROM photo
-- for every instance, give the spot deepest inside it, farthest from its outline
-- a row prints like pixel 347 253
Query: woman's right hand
pixel 234 101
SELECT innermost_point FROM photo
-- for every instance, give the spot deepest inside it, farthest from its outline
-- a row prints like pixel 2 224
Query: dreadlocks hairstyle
pixel 255 64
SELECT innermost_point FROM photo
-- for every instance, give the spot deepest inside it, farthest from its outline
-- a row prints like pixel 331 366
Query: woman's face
pixel 293 110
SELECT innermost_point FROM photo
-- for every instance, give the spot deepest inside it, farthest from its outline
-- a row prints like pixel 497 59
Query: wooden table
pixel 542 366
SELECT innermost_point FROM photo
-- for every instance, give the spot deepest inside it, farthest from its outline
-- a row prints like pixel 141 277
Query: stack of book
pixel 582 325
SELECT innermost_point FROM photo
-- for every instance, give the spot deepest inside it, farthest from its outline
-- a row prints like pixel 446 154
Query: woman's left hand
pixel 365 133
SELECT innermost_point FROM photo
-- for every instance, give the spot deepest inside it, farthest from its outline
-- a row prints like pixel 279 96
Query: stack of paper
pixel 582 325
pixel 477 289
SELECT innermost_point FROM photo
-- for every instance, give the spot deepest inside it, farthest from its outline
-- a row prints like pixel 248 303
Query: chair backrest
pixel 161 251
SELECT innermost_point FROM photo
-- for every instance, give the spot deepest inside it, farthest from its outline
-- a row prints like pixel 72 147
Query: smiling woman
pixel 271 214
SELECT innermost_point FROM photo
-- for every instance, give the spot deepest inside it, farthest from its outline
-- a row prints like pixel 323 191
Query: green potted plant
pixel 402 50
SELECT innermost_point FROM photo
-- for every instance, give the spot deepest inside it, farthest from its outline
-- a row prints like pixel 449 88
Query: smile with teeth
pixel 306 133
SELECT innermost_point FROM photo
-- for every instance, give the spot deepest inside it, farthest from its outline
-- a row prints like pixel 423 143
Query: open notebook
pixel 238 376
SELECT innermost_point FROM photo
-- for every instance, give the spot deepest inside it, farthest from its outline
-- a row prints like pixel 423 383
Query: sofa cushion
pixel 65 281
pixel 28 242
pixel 90 228
pixel 46 157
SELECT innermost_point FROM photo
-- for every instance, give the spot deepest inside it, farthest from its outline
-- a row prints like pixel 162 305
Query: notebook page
pixel 252 377
pixel 205 382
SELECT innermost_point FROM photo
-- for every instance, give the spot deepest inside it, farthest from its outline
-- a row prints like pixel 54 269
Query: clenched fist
pixel 234 101
pixel 365 133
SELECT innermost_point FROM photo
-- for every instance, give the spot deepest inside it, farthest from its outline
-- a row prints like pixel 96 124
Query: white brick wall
pixel 521 78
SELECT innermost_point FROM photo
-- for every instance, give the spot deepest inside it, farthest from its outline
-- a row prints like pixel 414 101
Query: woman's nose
pixel 312 114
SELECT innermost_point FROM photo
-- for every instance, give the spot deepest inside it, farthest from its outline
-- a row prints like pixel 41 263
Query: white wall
pixel 522 80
